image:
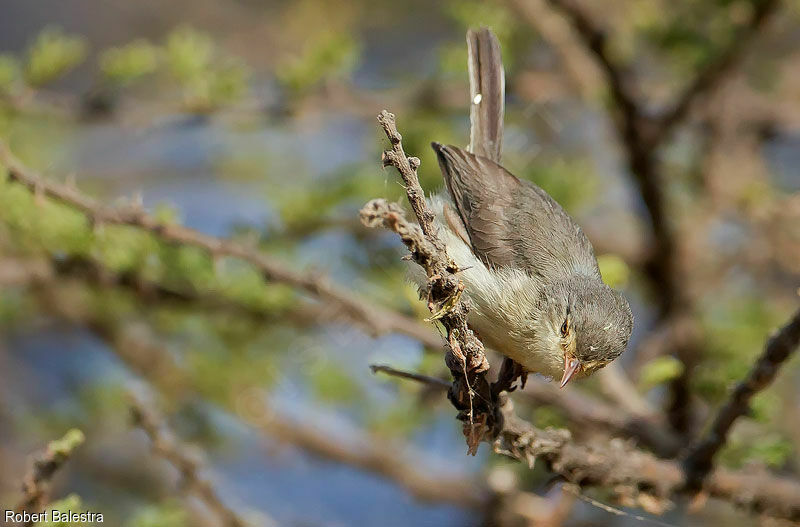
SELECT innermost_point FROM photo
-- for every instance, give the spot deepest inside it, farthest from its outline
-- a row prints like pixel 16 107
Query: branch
pixel 44 272
pixel 594 39
pixel 579 409
pixel 639 477
pixel 634 475
pixel 433 382
pixel 407 166
pixel 165 446
pixel 712 75
pixel 778 349
pixel 377 319
pixel 762 493
pixel 470 393
pixel 43 466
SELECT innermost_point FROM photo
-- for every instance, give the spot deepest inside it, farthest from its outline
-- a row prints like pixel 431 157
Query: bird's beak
pixel 571 366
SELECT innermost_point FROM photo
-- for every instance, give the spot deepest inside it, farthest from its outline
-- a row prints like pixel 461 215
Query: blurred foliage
pixel 735 333
pixel 334 384
pixel 40 224
pixel 771 449
pixel 614 270
pixel 70 503
pixel 208 78
pixel 170 513
pixel 659 371
pixel 10 71
pixel 64 446
pixel 125 64
pixel 53 54
pixel 327 56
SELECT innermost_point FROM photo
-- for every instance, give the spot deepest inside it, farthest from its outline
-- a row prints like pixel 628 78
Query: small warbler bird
pixel 528 269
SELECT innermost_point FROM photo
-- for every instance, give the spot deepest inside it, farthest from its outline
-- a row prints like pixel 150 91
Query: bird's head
pixel 588 322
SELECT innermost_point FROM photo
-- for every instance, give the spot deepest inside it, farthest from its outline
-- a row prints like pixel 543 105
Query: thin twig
pixel 44 465
pixel 712 75
pixel 433 382
pixel 779 348
pixel 166 447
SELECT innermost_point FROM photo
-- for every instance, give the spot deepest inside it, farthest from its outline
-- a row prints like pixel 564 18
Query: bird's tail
pixel 487 93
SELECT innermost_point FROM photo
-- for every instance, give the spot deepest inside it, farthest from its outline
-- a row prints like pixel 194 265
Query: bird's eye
pixel 565 328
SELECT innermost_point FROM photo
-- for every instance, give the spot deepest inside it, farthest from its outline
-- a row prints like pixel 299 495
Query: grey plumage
pixel 513 223
pixel 528 268
pixel 487 93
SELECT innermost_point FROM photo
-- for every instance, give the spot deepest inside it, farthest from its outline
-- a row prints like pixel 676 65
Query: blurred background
pixel 255 121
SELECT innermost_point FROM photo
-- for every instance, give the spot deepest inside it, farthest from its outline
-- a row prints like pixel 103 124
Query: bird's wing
pixel 487 93
pixel 513 223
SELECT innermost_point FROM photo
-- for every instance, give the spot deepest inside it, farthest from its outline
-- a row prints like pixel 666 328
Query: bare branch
pixel 43 466
pixel 638 477
pixel 165 446
pixel 377 319
pixel 712 75
pixel 407 166
pixel 433 382
pixel 471 393
pixel 778 349
pixel 627 114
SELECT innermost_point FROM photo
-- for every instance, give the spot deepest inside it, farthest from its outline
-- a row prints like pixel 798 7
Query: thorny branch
pixel 375 319
pixel 165 446
pixel 43 466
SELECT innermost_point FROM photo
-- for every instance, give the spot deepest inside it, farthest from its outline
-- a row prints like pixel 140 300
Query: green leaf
pixel 63 447
pixel 125 64
pixel 70 503
pixel 188 52
pixel 9 72
pixel 52 55
pixel 659 371
pixel 167 514
pixel 327 56
pixel 614 270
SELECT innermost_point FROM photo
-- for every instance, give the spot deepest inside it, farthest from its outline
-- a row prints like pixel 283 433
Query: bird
pixel 529 271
